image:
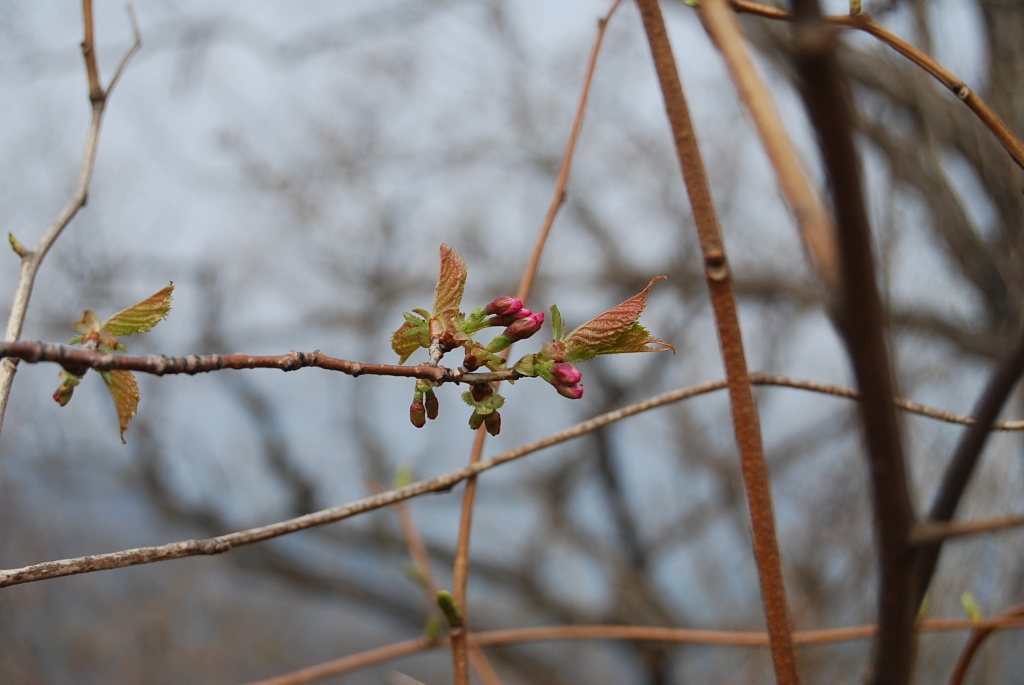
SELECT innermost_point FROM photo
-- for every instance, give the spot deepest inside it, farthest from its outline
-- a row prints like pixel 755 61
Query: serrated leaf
pixel 451 282
pixel 617 331
pixel 410 336
pixel 142 316
pixel 125 392
pixel 485 406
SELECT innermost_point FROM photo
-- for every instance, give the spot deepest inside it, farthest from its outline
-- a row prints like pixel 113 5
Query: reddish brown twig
pixel 978 636
pixel 621 632
pixel 744 410
pixel 33 352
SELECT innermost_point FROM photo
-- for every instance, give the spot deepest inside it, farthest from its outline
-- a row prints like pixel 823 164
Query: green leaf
pixel 451 282
pixel 125 392
pixel 142 316
pixel 16 245
pixel 410 336
pixel 617 331
pixel 489 404
pixel 971 607
pixel 557 327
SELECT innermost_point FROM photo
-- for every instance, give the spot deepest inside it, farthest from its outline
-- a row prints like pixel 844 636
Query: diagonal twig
pixel 32 259
pixel 863 22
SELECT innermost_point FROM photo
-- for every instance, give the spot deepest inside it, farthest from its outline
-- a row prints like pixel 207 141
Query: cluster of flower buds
pixel 520 323
pixel 566 379
pixel 424 404
pixel 446 328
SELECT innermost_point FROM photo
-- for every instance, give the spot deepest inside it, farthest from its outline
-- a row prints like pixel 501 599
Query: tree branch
pixel 860 322
pixel 863 22
pixel 745 420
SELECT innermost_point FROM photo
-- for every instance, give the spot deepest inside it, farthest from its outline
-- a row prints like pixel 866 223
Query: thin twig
pixel 730 638
pixel 816 227
pixel 186 548
pixel 981 631
pixel 223 543
pixel 863 22
pixel 928 533
pixel 966 456
pixel 31 260
pixel 76 359
pixel 461 566
pixel 425 576
pixel 71 357
pixel 744 409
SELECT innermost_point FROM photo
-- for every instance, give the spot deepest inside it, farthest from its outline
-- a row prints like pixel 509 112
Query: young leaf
pixel 125 391
pixel 451 282
pixel 16 245
pixel 971 607
pixel 557 327
pixel 616 331
pixel 410 336
pixel 142 316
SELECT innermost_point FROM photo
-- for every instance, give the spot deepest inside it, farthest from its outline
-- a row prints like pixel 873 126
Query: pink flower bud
pixel 566 374
pixel 524 328
pixel 509 319
pixel 503 305
pixel 573 392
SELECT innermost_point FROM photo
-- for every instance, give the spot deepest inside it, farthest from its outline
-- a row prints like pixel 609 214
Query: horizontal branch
pixel 731 638
pixel 930 532
pixel 78 360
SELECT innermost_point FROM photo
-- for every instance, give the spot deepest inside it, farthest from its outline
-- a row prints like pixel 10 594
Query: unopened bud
pixel 418 413
pixel 431 405
pixel 481 391
pixel 573 392
pixel 566 374
pixel 492 422
pixel 500 306
pixel 521 329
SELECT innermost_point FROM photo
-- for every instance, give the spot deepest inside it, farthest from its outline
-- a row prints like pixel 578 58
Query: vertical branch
pixel 461 565
pixel 31 260
pixel 744 409
pixel 860 321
